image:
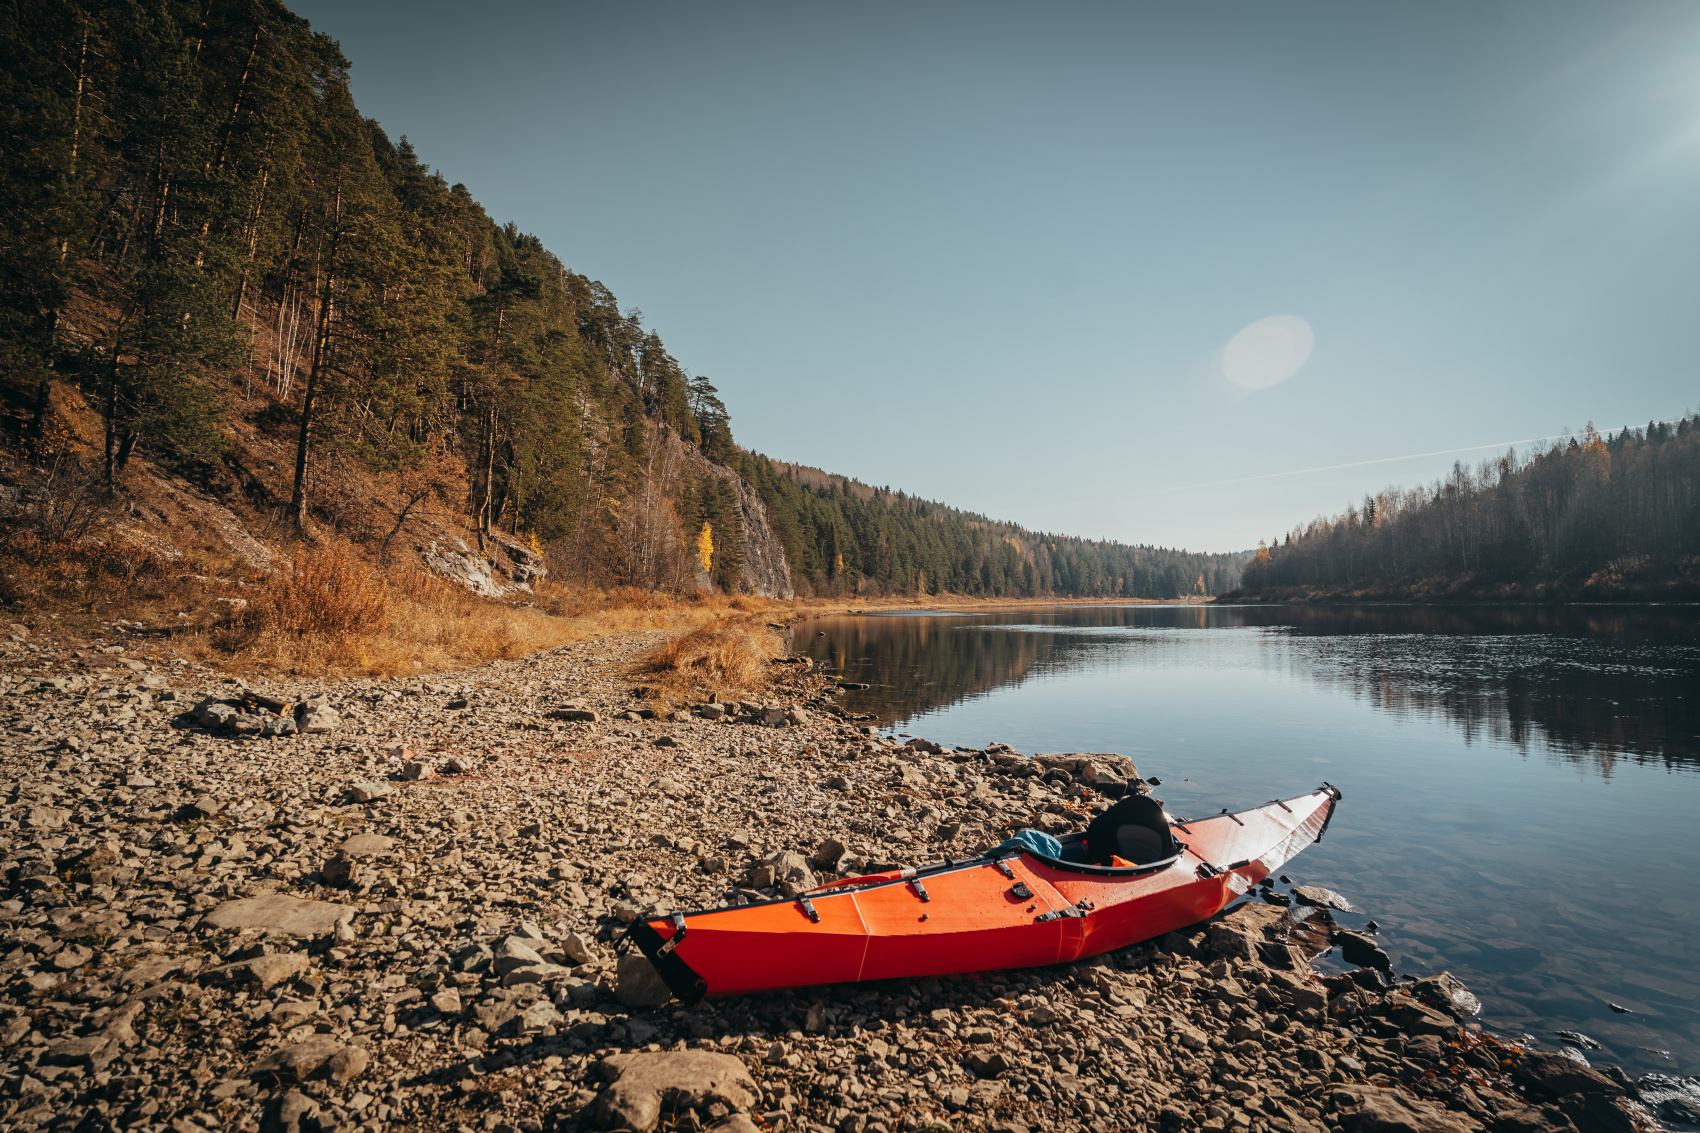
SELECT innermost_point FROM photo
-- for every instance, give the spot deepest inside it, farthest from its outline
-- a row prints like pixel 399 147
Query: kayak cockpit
pixel 1132 837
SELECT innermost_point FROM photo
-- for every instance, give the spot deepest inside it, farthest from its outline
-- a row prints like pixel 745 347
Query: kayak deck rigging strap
pixel 678 934
pixel 1079 910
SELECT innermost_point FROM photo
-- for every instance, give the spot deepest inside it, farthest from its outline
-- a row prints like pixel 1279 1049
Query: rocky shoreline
pixel 320 906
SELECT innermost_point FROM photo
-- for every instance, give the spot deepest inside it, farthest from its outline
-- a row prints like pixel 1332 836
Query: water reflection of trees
pixel 916 665
pixel 922 663
pixel 1591 685
pixel 1585 701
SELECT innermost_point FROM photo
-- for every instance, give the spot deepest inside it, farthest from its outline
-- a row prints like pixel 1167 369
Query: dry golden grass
pixel 330 612
pixel 732 657
pixel 325 592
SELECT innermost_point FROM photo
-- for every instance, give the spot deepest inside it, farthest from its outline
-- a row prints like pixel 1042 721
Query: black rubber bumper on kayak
pixel 679 976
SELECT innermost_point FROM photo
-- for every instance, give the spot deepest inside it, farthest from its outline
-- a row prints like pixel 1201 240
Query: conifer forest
pixel 1592 516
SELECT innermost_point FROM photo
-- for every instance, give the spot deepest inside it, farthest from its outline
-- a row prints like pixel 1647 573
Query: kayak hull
pixel 979 914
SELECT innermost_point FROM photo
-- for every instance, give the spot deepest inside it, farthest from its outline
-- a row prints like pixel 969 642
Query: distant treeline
pixel 841 540
pixel 1594 516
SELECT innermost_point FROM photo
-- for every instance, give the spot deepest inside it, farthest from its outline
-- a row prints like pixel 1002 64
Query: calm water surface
pixel 1521 786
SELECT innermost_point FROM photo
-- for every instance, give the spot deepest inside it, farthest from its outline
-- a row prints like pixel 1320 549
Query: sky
pixel 1126 271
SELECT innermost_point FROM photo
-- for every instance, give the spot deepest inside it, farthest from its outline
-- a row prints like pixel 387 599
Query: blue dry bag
pixel 1033 842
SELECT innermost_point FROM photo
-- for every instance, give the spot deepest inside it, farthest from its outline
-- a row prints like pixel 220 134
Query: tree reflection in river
pixel 1588 684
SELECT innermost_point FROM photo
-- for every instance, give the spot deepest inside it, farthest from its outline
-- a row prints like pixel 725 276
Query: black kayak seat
pixel 1133 830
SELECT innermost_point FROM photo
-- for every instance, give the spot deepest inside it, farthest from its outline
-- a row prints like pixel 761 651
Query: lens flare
pixel 1267 352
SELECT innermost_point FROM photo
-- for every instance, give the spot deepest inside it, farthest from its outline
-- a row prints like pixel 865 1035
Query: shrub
pixel 726 657
pixel 326 591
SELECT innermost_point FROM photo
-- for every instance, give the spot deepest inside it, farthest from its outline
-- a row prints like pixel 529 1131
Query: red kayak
pixel 1008 908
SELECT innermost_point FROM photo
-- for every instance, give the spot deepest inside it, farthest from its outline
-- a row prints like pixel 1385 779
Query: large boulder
pixel 298 1061
pixel 641 1084
pixel 1446 992
pixel 367 846
pixel 264 972
pixel 277 912
pixel 1369 1109
pixel 1362 951
pixel 1416 1018
pixel 513 952
pixel 638 984
pixel 1107 764
pixel 1234 940
pixel 791 872
pixel 1555 1075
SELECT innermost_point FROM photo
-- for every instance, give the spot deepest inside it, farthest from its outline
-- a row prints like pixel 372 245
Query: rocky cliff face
pixel 767 573
pixel 506 568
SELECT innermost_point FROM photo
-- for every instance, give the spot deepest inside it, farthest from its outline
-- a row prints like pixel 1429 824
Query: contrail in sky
pixel 1353 464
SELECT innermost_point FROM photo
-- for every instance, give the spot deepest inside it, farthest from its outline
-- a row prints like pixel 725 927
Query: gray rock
pixel 578 949
pixel 1318 897
pixel 347 1064
pixel 1554 1075
pixel 695 1079
pixel 299 1060
pixel 512 952
pixel 149 972
pixel 277 726
pixel 296 1112
pixel 1392 1110
pixel 366 792
pixel 1233 939
pixel 539 1014
pixel 46 817
pixel 341 872
pixel 534 973
pixel 265 971
pixel 316 719
pixel 1448 993
pixel 417 769
pixel 638 984
pixel 367 846
pixel 790 871
pixel 71 956
pixel 217 714
pixel 828 853
pixel 1362 951
pixel 278 912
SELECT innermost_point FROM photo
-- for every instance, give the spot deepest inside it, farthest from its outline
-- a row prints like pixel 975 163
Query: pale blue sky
pixel 991 254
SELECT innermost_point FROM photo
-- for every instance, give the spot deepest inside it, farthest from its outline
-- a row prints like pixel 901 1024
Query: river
pixel 1521 786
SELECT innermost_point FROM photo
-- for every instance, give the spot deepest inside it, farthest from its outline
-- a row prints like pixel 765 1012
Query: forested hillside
pixel 845 537
pixel 199 225
pixel 214 268
pixel 1593 517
